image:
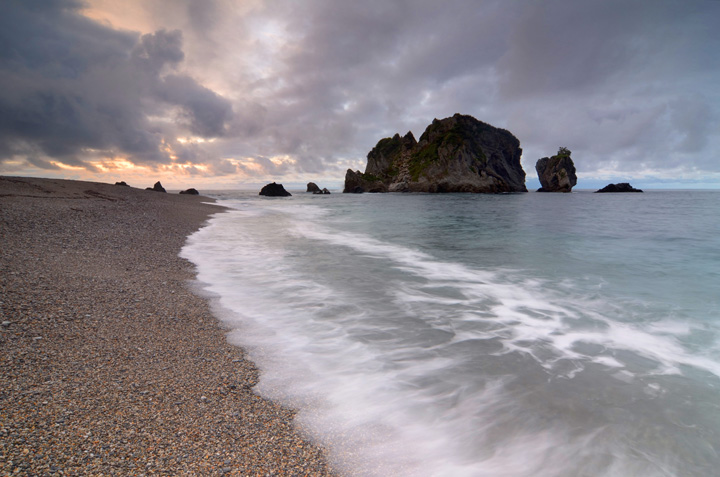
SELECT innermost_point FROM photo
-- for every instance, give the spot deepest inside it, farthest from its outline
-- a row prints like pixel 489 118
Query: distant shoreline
pixel 110 363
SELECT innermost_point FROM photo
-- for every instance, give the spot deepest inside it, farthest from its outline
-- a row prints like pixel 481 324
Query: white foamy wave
pixel 404 364
pixel 531 310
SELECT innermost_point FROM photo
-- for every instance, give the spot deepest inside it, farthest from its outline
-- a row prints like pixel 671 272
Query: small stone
pixel 5 324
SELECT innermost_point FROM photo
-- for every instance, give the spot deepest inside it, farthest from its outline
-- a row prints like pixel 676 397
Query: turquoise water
pixel 481 335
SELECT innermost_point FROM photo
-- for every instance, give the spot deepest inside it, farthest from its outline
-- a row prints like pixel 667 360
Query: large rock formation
pixel 274 190
pixel 620 187
pixel 456 154
pixel 556 173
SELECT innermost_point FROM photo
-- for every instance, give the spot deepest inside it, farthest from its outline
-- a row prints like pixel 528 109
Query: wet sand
pixel 110 365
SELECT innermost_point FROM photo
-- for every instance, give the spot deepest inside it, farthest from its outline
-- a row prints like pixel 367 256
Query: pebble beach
pixel 109 363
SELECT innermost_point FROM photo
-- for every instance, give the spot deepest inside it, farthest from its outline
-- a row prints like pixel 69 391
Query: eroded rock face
pixel 620 187
pixel 556 173
pixel 456 154
pixel 274 190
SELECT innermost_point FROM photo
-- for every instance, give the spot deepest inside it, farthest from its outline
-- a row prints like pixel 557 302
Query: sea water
pixel 481 335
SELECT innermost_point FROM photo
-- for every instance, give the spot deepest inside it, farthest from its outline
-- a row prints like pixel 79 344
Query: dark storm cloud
pixel 72 89
pixel 626 84
pixel 205 111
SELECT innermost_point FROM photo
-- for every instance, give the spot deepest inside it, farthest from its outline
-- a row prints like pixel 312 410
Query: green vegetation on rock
pixel 421 159
pixel 564 151
pixel 389 146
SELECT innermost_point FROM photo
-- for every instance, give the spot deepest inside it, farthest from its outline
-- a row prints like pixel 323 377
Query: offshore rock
pixel 321 192
pixel 121 183
pixel 274 190
pixel 620 187
pixel 456 154
pixel 312 187
pixel 356 182
pixel 190 191
pixel 157 187
pixel 556 173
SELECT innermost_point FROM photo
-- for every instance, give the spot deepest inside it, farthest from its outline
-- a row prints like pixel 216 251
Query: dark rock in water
pixel 456 154
pixel 620 187
pixel 157 187
pixel 356 182
pixel 190 191
pixel 325 191
pixel 321 192
pixel 556 173
pixel 312 187
pixel 275 190
pixel 121 183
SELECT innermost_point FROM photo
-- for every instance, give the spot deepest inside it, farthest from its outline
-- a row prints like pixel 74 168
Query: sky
pixel 231 94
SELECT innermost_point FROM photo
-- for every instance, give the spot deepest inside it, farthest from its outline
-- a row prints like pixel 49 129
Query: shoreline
pixel 110 363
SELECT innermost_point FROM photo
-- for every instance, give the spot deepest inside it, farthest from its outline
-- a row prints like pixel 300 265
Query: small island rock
pixel 157 187
pixel 190 191
pixel 321 192
pixel 620 187
pixel 556 173
pixel 312 187
pixel 121 183
pixel 274 190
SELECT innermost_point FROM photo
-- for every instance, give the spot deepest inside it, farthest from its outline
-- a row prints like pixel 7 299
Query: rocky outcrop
pixel 274 190
pixel 620 187
pixel 356 182
pixel 190 191
pixel 556 173
pixel 456 154
pixel 157 187
pixel 122 183
pixel 313 187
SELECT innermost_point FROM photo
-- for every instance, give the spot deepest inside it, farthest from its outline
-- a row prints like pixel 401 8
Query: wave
pixel 405 364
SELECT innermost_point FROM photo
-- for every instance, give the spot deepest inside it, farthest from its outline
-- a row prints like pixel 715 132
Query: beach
pixel 111 365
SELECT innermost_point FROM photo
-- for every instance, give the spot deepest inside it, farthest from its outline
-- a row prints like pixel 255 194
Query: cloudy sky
pixel 232 93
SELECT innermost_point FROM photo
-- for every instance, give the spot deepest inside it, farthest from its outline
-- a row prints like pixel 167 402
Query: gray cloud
pixel 206 113
pixel 73 90
pixel 610 79
pixel 627 85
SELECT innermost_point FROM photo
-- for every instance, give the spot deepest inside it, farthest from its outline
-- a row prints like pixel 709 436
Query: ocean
pixel 481 335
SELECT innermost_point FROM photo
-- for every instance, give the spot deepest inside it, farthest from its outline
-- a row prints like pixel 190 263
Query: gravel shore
pixel 110 365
